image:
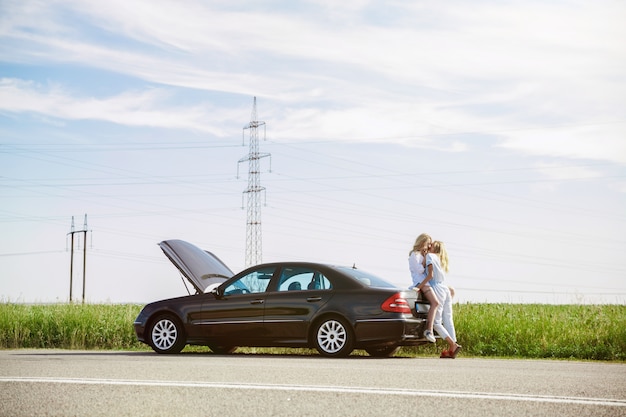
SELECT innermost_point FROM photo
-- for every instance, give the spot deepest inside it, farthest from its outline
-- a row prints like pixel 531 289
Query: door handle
pixel 313 299
pixel 257 302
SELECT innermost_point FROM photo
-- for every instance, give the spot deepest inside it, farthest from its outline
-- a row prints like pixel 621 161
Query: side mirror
pixel 212 289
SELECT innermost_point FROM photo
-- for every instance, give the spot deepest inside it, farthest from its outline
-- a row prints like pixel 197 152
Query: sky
pixel 497 127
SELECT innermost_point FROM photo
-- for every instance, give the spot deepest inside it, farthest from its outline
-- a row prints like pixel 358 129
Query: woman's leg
pixel 438 326
pixel 434 305
pixel 447 323
pixel 447 319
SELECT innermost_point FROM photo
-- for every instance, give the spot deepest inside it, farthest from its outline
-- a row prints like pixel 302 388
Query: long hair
pixel 419 243
pixel 440 249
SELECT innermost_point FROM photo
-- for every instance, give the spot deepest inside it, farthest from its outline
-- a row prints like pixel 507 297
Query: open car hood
pixel 201 268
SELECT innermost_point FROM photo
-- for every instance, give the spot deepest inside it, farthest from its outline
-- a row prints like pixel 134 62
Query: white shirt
pixel 418 272
pixel 438 275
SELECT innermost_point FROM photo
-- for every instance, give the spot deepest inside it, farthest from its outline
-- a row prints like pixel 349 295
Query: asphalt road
pixel 104 383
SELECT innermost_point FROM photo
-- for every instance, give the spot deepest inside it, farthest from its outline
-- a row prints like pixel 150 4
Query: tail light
pixel 396 304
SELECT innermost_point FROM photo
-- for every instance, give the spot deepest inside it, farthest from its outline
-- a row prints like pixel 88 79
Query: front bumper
pixel 140 327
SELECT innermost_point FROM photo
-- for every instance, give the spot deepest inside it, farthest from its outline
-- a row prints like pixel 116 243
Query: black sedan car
pixel 288 304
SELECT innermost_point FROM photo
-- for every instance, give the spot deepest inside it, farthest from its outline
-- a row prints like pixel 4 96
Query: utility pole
pixel 254 252
pixel 72 232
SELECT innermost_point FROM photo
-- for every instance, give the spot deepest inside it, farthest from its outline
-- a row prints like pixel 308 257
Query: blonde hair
pixel 419 242
pixel 440 249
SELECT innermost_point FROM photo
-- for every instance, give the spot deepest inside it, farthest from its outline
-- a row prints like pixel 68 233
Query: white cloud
pixel 618 186
pixel 467 67
pixel 131 108
pixel 604 142
pixel 566 173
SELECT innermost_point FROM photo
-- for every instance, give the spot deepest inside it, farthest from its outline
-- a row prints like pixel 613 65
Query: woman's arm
pixel 428 278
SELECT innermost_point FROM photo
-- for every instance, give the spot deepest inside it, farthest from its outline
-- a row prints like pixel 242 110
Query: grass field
pixel 593 332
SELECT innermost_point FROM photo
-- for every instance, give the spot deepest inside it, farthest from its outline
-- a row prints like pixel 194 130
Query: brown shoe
pixel 456 351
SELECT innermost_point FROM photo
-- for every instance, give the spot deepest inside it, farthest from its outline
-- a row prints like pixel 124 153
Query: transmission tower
pixel 254 252
pixel 72 233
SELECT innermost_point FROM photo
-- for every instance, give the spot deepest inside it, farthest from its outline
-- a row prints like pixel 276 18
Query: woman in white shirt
pixel 436 269
pixel 417 266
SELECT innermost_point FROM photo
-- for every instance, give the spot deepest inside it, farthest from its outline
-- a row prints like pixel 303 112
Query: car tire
pixel 333 338
pixel 222 350
pixel 382 351
pixel 167 335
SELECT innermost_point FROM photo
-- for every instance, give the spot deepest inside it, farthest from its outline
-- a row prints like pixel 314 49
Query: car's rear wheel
pixel 222 350
pixel 167 335
pixel 333 338
pixel 382 351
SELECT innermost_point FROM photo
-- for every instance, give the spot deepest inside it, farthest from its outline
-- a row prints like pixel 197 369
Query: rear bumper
pixel 398 331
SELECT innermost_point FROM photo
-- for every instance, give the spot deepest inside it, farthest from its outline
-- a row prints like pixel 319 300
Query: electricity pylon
pixel 254 246
pixel 72 233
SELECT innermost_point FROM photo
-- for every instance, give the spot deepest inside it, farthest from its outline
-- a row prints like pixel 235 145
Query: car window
pixel 299 278
pixel 253 282
pixel 367 278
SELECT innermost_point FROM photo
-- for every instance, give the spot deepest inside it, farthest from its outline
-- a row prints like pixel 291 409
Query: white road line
pixel 334 389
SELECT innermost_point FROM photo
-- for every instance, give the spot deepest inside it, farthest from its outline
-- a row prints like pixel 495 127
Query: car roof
pixel 337 272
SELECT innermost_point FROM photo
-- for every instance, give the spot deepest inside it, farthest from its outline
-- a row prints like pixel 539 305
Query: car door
pixel 236 315
pixel 300 293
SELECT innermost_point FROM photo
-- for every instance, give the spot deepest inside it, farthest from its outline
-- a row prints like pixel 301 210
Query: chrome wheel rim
pixel 164 334
pixel 332 336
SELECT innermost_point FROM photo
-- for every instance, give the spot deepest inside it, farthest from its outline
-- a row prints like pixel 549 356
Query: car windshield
pixel 255 281
pixel 367 278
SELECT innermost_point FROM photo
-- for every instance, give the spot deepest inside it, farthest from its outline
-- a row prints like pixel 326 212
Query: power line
pixel 40 252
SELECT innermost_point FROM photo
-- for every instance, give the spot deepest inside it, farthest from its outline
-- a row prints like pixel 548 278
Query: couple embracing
pixel 428 263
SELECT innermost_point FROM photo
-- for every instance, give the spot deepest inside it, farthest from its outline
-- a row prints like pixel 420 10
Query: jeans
pixel 444 322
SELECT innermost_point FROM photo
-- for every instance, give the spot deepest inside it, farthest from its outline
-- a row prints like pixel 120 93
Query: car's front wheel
pixel 333 338
pixel 167 335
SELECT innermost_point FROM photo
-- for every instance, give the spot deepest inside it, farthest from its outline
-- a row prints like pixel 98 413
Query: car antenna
pixel 354 265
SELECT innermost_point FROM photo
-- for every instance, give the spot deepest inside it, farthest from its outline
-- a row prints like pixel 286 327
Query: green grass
pixel 589 332
pixel 544 331
pixel 68 326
